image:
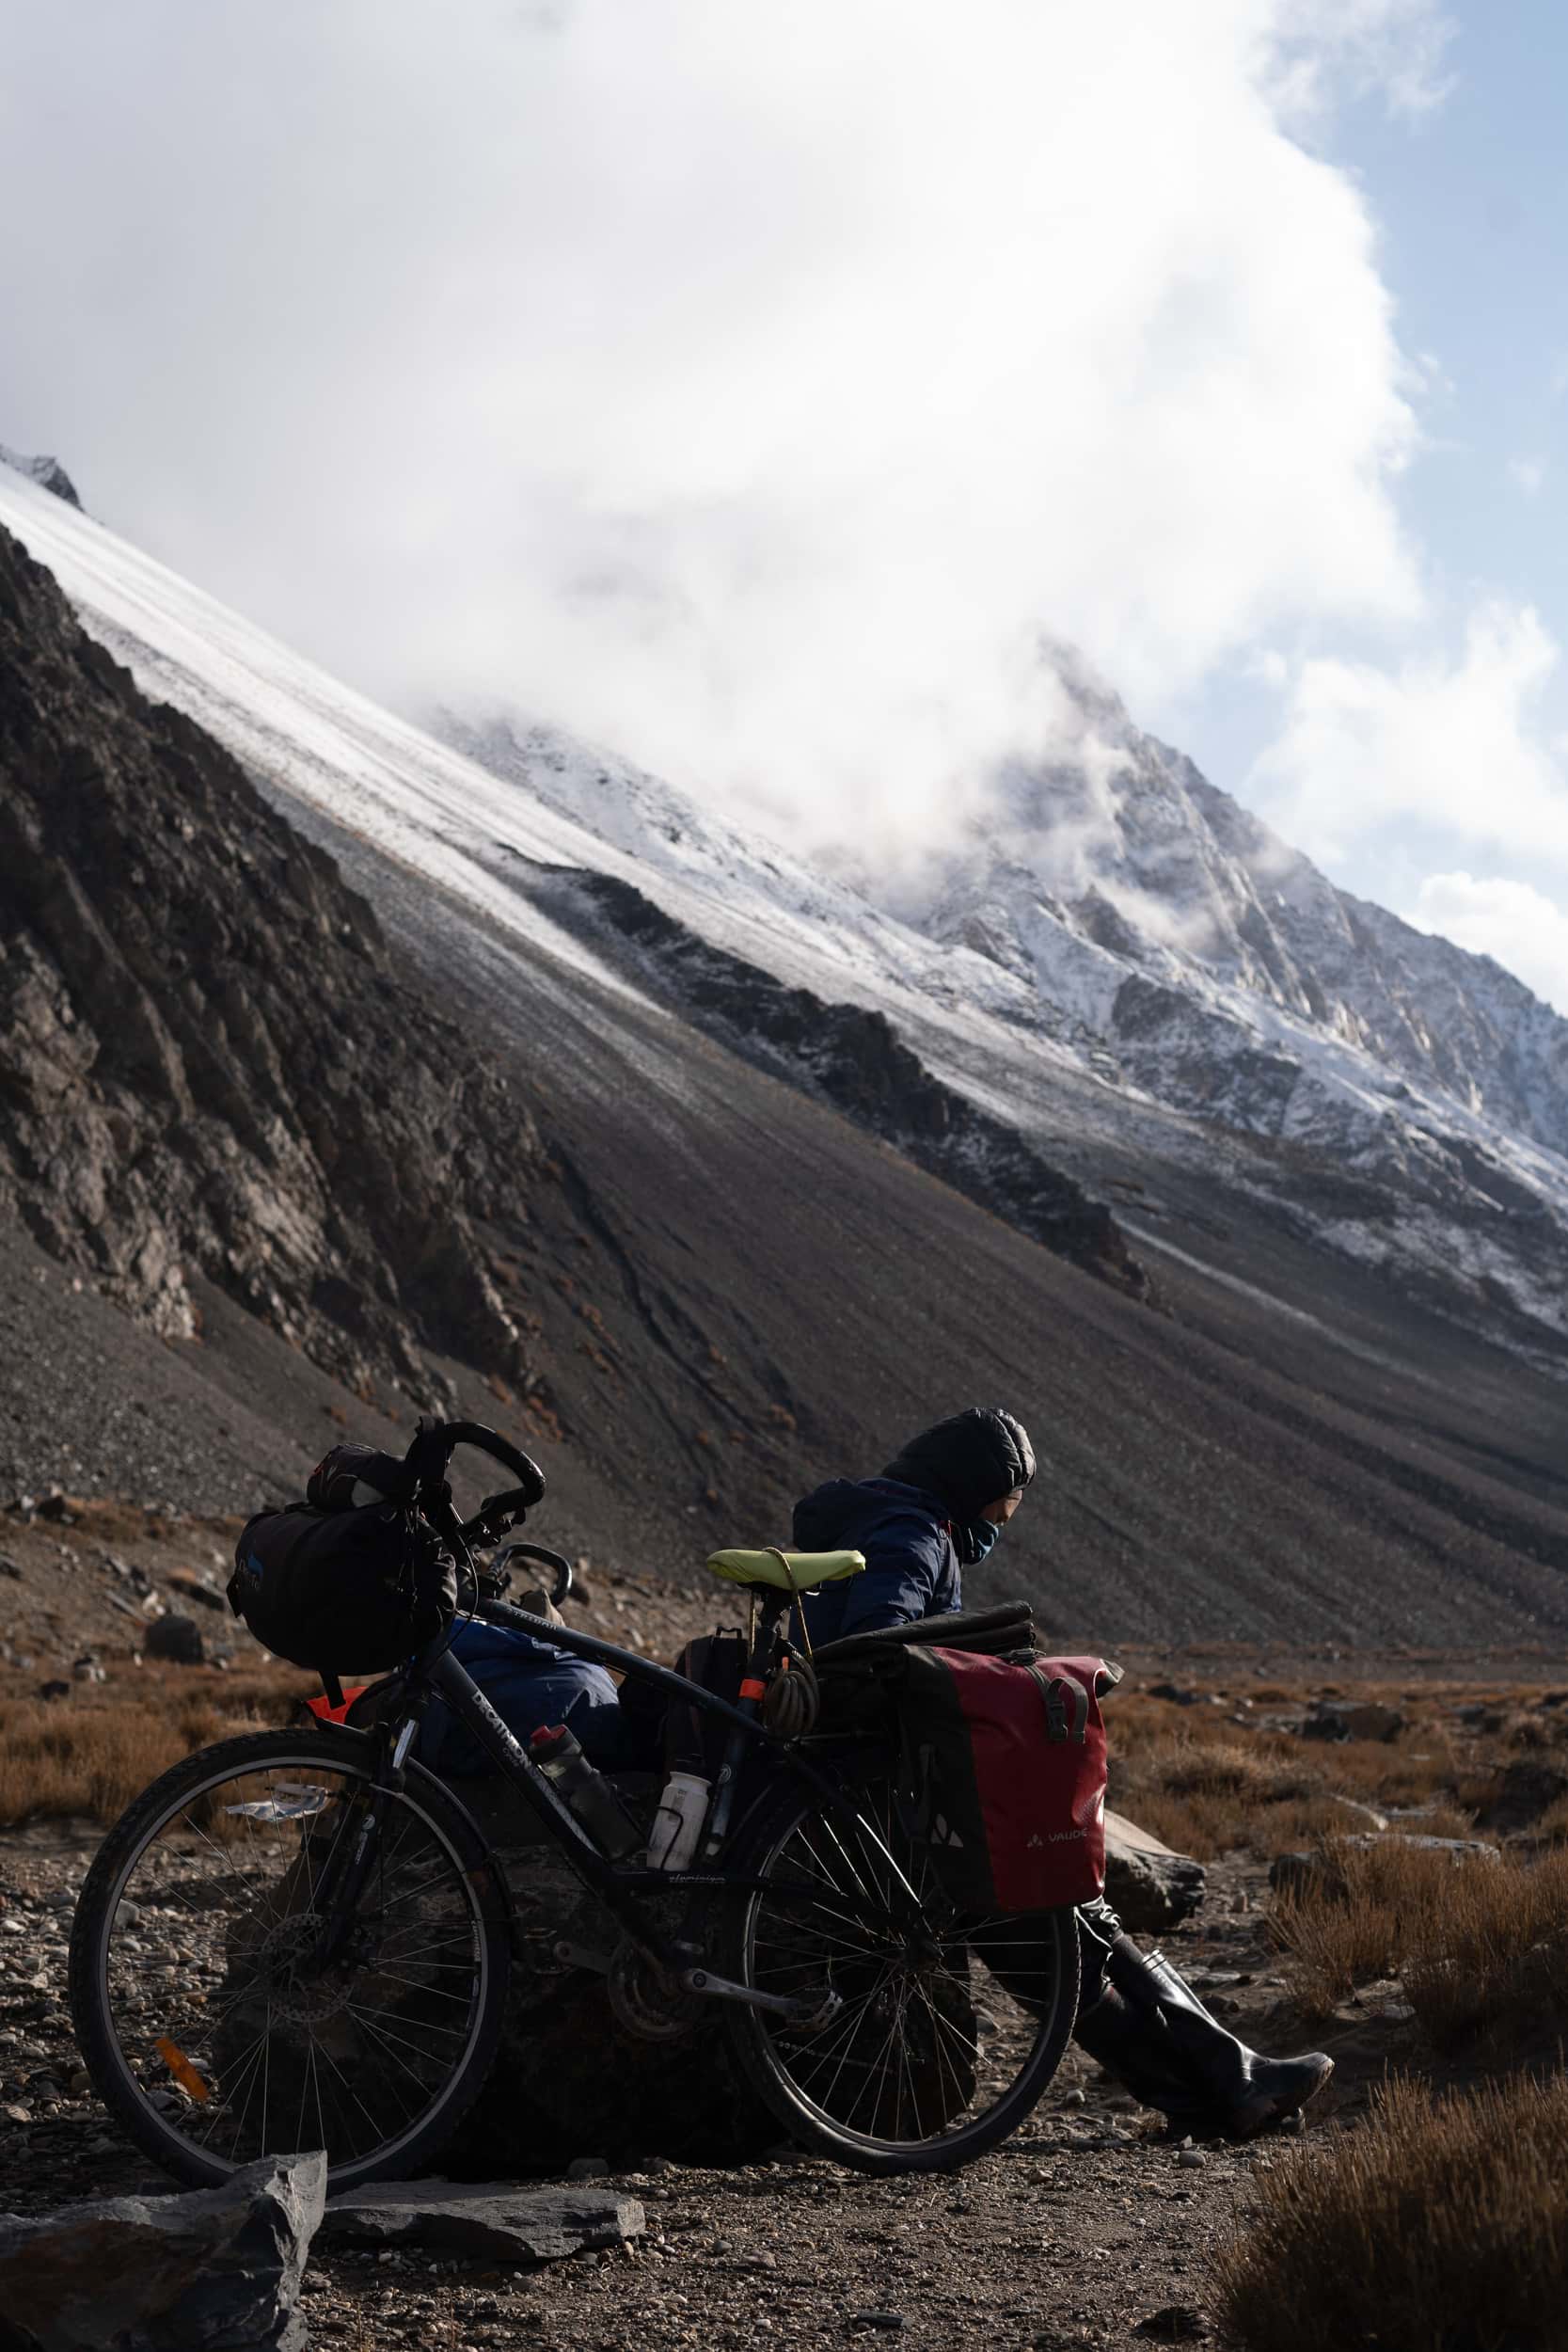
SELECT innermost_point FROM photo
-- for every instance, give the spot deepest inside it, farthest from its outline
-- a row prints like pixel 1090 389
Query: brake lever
pixel 562 1589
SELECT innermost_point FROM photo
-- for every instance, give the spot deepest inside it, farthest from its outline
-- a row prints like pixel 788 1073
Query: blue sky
pixel 750 389
pixel 1468 195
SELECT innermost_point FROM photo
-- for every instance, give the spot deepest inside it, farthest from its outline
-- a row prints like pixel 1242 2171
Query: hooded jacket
pixel 914 1524
pixel 912 1563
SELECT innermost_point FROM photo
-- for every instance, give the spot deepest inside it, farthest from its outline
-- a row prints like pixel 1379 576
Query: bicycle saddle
pixel 788 1572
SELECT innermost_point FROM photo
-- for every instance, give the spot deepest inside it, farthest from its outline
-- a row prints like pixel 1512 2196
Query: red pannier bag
pixel 1005 1761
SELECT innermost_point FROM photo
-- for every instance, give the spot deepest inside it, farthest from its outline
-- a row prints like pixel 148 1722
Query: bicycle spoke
pixel 899 2063
pixel 358 2051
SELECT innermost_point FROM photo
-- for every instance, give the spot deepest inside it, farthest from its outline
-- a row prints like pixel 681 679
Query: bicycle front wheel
pixel 929 2037
pixel 206 2018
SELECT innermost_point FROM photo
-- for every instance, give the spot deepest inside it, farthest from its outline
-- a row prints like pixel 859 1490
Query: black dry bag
pixel 352 1579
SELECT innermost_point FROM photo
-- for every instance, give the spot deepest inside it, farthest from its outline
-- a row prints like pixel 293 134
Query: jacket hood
pixel 970 1460
pixel 833 1517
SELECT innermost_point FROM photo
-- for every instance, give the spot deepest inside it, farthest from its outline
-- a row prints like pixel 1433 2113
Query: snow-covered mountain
pixel 1124 968
pixel 1172 934
pixel 1145 943
pixel 47 472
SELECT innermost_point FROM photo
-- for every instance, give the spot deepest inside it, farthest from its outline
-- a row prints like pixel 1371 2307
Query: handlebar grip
pixel 530 1477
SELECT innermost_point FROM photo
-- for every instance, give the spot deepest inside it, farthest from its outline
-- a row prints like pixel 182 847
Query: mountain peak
pixel 47 472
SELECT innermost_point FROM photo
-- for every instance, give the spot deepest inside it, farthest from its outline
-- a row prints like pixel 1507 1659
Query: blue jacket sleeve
pixel 906 1571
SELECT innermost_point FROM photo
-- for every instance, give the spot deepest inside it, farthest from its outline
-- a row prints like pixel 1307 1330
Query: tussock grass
pixel 1492 1958
pixel 1211 1784
pixel 1480 1947
pixel 89 1756
pixel 1441 2226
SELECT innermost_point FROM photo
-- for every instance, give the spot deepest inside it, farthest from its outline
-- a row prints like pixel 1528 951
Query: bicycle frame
pixel 619 1888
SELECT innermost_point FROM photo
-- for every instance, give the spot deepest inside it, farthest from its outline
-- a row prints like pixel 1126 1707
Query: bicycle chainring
pixel 645 2000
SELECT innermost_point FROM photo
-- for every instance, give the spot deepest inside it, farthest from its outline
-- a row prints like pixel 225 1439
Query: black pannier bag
pixel 353 1578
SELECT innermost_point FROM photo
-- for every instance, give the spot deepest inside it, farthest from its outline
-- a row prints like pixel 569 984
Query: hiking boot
pixel 1160 2040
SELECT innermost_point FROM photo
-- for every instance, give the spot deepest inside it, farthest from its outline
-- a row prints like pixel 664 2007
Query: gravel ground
pixel 1079 2232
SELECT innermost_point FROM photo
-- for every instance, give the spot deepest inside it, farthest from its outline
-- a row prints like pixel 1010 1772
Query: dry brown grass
pixel 89 1756
pixel 1480 1947
pixel 1440 2226
pixel 1212 1781
pixel 1492 1958
pixel 1208 1785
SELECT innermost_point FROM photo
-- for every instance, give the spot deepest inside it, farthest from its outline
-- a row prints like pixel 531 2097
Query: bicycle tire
pixel 425 1802
pixel 1047 1961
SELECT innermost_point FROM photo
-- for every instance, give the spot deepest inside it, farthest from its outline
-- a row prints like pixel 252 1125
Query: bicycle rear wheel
pixel 917 2058
pixel 205 2020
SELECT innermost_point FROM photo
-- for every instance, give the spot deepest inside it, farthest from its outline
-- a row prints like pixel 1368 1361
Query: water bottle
pixel 678 1823
pixel 559 1756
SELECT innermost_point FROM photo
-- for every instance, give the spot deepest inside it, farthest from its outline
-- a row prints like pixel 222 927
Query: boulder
pixel 1321 1875
pixel 1350 1719
pixel 1523 1793
pixel 176 1638
pixel 1151 1889
pixel 570 2077
pixel 214 2270
pixel 481 2220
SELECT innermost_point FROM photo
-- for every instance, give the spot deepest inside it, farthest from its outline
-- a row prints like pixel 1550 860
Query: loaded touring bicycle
pixel 301 1939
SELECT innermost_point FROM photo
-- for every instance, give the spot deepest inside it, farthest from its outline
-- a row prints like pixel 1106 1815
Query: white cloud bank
pixel 1511 921
pixel 746 386
pixel 1453 744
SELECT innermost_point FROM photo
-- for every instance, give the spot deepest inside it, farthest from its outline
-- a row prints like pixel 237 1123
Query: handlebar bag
pixel 1005 1762
pixel 343 1591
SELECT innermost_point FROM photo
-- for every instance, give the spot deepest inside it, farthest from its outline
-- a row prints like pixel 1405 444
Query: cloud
pixel 749 388
pixel 1526 474
pixel 1511 921
pixel 1398 48
pixel 1450 744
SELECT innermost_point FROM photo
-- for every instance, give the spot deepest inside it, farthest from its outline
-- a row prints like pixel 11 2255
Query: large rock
pixel 214 2270
pixel 176 1638
pixel 1348 1718
pixel 1151 1889
pixel 488 2219
pixel 570 2078
pixel 1525 1792
pixel 1320 1875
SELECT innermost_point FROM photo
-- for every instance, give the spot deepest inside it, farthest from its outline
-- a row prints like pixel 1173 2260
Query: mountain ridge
pixel 730 1289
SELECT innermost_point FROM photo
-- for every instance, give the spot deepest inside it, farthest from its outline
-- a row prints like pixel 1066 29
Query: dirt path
pixel 1079 2232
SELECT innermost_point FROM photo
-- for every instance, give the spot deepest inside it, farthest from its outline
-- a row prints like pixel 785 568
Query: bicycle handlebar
pixel 444 1436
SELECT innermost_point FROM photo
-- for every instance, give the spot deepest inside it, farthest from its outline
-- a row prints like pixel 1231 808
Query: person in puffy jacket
pixel 936 1509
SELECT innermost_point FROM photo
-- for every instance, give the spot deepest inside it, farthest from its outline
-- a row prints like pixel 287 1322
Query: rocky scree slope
pixel 852 1057
pixel 205 1059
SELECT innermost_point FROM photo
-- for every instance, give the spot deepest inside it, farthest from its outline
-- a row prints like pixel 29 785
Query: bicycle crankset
pixel 646 1999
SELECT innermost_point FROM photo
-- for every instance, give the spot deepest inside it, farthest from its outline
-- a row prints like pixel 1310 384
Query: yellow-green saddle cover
pixel 805 1570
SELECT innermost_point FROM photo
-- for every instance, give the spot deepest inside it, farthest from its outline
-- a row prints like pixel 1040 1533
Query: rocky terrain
pixel 853 1059
pixel 206 1061
pixel 1089 2228
pixel 1140 979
